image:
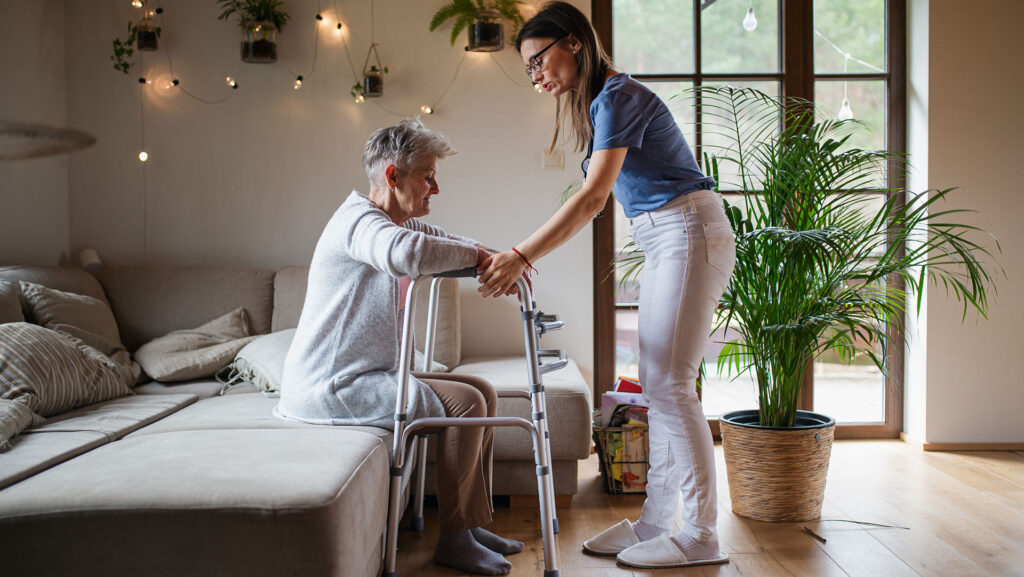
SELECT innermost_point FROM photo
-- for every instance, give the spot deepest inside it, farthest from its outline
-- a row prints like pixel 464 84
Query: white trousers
pixel 690 252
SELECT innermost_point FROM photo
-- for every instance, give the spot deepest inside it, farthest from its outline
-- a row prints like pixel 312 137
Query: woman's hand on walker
pixel 499 273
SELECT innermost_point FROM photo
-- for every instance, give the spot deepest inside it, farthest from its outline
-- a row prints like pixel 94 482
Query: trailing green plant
pixel 465 12
pixel 124 49
pixel 819 243
pixel 254 11
pixel 359 88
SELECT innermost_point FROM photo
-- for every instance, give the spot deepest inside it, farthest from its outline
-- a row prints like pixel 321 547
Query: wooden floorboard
pixel 963 513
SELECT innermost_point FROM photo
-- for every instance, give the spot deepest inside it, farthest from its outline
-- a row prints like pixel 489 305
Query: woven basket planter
pixel 777 474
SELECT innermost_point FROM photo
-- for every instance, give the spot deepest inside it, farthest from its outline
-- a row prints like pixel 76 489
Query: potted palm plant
pixel 260 21
pixel 814 261
pixel 483 19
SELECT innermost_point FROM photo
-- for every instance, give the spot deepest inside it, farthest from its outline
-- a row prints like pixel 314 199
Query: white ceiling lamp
pixel 20 140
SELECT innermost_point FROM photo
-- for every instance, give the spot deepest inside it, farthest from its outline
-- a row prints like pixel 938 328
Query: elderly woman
pixel 341 367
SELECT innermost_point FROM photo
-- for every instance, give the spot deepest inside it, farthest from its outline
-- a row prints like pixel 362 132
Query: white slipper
pixel 661 553
pixel 612 540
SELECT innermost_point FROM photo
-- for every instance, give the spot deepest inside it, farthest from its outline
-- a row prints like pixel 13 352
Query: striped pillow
pixel 52 373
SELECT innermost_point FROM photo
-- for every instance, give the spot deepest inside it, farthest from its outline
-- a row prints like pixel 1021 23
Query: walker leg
pixel 551 476
pixel 421 482
pixel 546 497
pixel 391 542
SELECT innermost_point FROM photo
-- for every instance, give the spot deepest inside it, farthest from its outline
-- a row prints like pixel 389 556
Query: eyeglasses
pixel 535 63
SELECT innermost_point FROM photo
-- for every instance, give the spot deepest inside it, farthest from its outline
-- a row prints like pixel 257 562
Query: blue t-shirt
pixel 659 165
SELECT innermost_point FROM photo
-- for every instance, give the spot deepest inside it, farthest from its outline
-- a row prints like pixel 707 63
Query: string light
pixel 538 88
pixel 231 82
pixel 426 109
pixel 359 98
pixel 298 82
pixel 750 21
pixel 137 3
pixel 171 84
pixel 338 29
pixel 320 19
pixel 143 156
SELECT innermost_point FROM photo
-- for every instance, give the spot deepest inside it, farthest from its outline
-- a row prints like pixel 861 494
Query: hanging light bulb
pixel 845 112
pixel 320 19
pixel 137 3
pixel 538 88
pixel 338 29
pixel 231 82
pixel 298 82
pixel 143 156
pixel 360 98
pixel 750 21
pixel 171 84
pixel 426 109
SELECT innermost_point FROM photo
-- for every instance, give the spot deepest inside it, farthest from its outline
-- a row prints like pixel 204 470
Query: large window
pixel 848 57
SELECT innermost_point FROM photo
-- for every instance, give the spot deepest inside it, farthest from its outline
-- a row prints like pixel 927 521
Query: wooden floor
pixel 964 514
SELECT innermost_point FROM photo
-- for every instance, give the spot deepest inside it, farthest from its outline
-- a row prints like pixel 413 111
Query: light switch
pixel 553 161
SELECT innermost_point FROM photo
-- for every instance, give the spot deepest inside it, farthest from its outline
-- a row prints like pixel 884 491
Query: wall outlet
pixel 553 161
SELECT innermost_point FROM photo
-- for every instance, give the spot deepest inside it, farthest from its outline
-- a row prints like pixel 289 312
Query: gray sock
pixel 495 543
pixel 461 551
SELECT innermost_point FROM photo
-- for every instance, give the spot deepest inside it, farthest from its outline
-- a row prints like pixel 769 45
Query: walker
pixel 534 324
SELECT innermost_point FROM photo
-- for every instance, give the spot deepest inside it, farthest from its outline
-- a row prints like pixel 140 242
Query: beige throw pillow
pixel 15 417
pixel 86 318
pixel 52 373
pixel 195 353
pixel 10 304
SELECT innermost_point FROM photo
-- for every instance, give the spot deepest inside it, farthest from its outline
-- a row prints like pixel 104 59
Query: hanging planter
pixel 259 42
pixel 146 35
pixel 373 74
pixel 483 20
pixel 142 36
pixel 486 34
pixel 261 21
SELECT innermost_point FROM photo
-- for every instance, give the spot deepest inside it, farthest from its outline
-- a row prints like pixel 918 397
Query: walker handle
pixel 469 272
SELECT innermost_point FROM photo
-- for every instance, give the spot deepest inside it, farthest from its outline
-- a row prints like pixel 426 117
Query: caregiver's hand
pixel 499 273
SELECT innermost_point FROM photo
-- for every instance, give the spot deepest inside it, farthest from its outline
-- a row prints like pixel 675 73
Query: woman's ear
pixel 391 175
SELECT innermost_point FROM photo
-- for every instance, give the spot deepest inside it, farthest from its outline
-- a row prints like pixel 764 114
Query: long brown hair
pixel 558 20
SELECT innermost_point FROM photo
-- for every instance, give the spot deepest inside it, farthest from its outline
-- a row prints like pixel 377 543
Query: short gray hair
pixel 404 145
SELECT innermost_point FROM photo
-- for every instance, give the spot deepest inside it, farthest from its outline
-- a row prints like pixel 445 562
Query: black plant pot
pixel 259 51
pixel 145 38
pixel 373 85
pixel 486 37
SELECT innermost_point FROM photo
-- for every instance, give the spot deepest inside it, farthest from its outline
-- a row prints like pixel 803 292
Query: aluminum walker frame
pixel 534 325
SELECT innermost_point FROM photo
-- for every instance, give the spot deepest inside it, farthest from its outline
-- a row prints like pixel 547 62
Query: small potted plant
pixel 373 77
pixel 261 21
pixel 483 19
pixel 142 36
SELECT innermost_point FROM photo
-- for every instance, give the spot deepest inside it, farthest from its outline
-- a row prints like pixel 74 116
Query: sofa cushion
pixel 290 293
pixel 194 353
pixel 52 372
pixel 62 278
pixel 151 301
pixel 238 411
pixel 86 318
pixel 71 434
pixel 568 409
pixel 10 304
pixel 231 502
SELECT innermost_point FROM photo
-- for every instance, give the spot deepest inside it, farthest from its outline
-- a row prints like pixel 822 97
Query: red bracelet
pixel 528 264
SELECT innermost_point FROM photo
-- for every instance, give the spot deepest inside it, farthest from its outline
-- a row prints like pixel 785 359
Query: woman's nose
pixel 537 76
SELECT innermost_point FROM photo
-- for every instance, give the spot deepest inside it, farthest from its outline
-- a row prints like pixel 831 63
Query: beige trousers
pixel 464 454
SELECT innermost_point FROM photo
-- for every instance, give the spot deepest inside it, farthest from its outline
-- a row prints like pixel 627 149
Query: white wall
pixel 253 180
pixel 34 192
pixel 975 386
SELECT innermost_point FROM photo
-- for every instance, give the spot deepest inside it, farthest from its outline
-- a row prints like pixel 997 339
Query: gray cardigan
pixel 342 364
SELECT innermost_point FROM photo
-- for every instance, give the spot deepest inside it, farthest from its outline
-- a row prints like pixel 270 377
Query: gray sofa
pixel 179 480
